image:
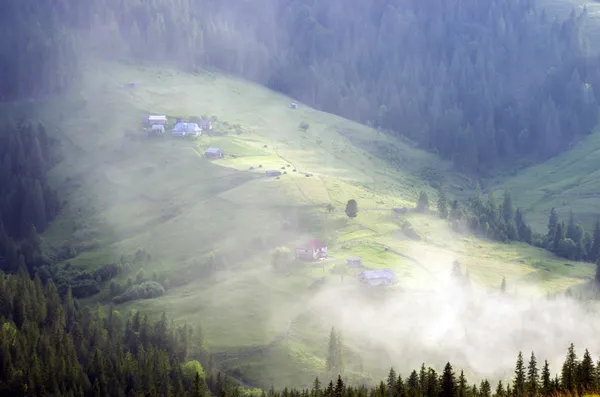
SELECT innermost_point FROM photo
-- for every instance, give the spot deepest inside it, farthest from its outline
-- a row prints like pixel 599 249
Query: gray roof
pixel 273 172
pixel 212 150
pixel 374 274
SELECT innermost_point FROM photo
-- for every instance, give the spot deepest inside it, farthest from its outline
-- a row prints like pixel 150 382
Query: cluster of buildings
pixel 157 124
pixel 317 250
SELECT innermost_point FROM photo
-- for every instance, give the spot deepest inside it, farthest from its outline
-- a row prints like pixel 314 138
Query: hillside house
pixel 154 119
pixel 294 105
pixel 183 129
pixel 375 278
pixel 354 263
pixel 273 173
pixel 311 250
pixel 205 124
pixel 214 153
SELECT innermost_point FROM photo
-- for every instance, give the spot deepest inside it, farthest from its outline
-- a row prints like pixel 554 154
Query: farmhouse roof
pixel 212 150
pixel 156 118
pixel 273 172
pixel 204 123
pixel 313 244
pixel 375 274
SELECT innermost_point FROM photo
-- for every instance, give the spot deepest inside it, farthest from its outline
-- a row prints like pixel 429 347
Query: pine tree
pixel 595 248
pixel 532 377
pixel 546 381
pixel 499 390
pixel 400 389
pixel 448 383
pixel 519 387
pixel 462 385
pixel 485 389
pixel 569 371
pixel 586 376
pixel 391 382
pixel 503 285
pixel 442 205
pixel 423 202
pixel 507 208
pixel 552 224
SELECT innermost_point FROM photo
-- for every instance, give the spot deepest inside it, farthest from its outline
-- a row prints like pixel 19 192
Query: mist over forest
pixel 134 264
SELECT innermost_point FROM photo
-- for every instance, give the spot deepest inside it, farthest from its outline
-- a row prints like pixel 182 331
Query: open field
pixel 163 196
pixel 569 181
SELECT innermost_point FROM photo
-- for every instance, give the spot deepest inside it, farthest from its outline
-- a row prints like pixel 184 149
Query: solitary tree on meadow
pixel 352 208
pixel 503 285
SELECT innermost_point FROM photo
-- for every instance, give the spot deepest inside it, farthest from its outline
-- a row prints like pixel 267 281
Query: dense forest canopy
pixel 482 83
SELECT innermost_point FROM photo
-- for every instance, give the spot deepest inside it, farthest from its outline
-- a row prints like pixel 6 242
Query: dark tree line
pixel 49 346
pixel 504 222
pixel 27 202
pixel 482 83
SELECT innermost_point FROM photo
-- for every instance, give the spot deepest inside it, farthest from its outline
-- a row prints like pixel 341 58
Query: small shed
pixel 273 173
pixel 375 278
pixel 214 153
pixel 354 263
pixel 294 105
pixel 311 250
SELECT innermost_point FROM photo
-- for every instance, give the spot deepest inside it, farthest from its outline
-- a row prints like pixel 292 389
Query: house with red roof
pixel 311 250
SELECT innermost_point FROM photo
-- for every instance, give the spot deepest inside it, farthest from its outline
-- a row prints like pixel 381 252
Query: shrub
pixel 304 126
pixel 145 290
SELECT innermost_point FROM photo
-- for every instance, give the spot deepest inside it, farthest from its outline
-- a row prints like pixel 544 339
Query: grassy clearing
pixel 569 181
pixel 163 196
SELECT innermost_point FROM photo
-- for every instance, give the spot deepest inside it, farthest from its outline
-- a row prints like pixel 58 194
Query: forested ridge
pixel 483 84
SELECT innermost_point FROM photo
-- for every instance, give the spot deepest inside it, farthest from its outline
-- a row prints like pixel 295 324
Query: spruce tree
pixel 485 389
pixel 546 380
pixel 332 352
pixel 462 385
pixel 552 225
pixel 499 390
pixel 400 389
pixel 507 208
pixel 442 205
pixel 519 387
pixel 595 248
pixel 423 202
pixel 532 377
pixel 448 383
pixel 569 371
pixel 586 376
pixel 391 382
pixel 503 285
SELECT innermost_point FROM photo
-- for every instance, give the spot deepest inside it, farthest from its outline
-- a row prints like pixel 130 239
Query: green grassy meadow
pixel 163 196
pixel 569 181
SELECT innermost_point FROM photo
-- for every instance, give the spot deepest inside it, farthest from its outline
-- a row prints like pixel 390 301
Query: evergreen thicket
pixel 481 83
pixel 27 202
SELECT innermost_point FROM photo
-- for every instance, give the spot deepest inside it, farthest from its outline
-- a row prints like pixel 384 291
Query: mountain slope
pixel 125 194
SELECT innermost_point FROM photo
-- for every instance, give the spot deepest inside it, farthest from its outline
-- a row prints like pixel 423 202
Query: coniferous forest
pixel 50 346
pixel 482 84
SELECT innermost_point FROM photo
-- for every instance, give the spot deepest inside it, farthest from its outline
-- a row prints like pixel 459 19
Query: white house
pixel 154 119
